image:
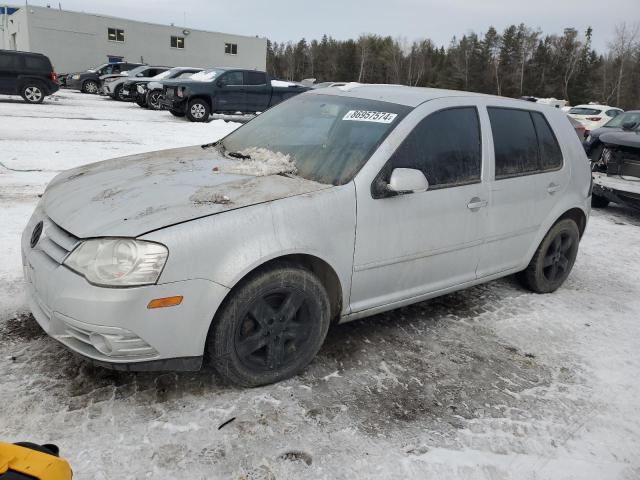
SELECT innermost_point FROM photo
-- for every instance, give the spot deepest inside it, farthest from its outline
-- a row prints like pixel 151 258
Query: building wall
pixel 76 41
pixel 16 33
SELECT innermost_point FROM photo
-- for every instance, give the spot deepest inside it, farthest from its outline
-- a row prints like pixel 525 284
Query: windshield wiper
pixel 239 155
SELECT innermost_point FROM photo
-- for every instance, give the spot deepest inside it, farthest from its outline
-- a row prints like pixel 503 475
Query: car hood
pixel 602 130
pixel 624 139
pixel 133 195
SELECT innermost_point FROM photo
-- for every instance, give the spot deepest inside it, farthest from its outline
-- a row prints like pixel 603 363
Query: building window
pixel 177 42
pixel 115 35
pixel 231 48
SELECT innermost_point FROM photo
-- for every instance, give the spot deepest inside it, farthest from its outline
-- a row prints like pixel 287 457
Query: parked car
pixel 243 252
pixel 625 121
pixel 113 85
pixel 220 90
pixel 29 75
pixel 139 91
pixel 593 116
pixel 89 80
pixel 616 174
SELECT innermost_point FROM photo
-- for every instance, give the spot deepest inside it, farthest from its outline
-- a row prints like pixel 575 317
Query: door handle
pixel 475 203
pixel 553 188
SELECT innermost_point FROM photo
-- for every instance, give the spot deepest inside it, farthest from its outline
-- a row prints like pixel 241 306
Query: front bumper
pixel 617 189
pixel 113 326
pixel 74 84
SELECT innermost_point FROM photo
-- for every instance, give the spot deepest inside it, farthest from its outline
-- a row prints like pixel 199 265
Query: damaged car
pixel 337 204
pixel 616 173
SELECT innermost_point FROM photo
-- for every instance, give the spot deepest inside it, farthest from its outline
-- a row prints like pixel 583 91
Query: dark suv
pixel 27 74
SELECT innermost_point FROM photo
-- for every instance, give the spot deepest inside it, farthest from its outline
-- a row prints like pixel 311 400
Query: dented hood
pixel 133 195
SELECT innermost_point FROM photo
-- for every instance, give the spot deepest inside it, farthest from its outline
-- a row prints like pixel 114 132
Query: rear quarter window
pixel 39 64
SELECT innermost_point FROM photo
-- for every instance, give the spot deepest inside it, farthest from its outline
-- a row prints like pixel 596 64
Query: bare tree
pixel 622 47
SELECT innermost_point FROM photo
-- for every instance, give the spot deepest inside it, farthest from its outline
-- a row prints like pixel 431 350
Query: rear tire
pixel 599 202
pixel 554 258
pixel 90 86
pixel 117 94
pixel 141 102
pixel 198 110
pixel 270 327
pixel 177 113
pixel 32 92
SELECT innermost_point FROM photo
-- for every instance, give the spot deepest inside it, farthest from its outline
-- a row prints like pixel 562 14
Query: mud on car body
pixel 337 204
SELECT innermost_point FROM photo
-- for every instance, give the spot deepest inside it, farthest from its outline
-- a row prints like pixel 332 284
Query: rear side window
pixel 445 146
pixel 255 78
pixel 523 142
pixel 613 113
pixel 550 153
pixel 39 64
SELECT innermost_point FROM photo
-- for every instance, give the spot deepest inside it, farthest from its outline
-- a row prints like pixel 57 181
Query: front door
pixel 416 244
pixel 230 93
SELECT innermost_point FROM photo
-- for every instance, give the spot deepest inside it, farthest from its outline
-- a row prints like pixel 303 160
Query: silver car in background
pixel 337 204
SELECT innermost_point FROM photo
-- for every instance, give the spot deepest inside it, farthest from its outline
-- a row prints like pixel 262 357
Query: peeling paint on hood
pixel 133 195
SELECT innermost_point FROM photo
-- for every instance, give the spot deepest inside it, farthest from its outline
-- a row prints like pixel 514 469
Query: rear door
pixel 258 91
pixel 527 179
pixel 230 93
pixel 9 65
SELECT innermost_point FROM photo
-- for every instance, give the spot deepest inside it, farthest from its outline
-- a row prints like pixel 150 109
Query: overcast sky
pixel 439 20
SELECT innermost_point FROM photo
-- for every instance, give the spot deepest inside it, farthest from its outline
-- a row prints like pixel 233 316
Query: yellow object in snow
pixel 30 461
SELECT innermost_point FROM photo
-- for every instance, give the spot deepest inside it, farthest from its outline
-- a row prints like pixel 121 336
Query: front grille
pixel 55 242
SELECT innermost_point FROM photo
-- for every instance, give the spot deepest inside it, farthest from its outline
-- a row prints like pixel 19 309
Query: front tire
pixel 198 110
pixel 270 327
pixel 32 92
pixel 118 95
pixel 153 99
pixel 90 87
pixel 554 258
pixel 177 113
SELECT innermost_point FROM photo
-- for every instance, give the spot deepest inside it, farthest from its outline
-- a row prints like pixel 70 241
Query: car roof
pixel 20 52
pixel 400 94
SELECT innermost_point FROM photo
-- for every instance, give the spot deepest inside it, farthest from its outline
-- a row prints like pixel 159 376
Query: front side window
pixel 523 143
pixel 445 146
pixel 231 48
pixel 328 137
pixel 115 35
pixel 233 78
pixel 177 42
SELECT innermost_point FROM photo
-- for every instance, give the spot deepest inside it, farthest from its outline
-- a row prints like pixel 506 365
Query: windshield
pixel 207 75
pixel 95 69
pixel 618 121
pixel 584 111
pixel 328 138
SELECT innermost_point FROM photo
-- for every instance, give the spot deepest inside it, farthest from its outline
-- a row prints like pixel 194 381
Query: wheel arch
pixel 199 96
pixel 577 215
pixel 319 267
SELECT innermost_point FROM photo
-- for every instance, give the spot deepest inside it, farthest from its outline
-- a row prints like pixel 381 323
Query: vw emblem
pixel 35 235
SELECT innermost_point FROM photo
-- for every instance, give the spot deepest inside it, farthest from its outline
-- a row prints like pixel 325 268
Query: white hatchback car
pixel 593 116
pixel 337 204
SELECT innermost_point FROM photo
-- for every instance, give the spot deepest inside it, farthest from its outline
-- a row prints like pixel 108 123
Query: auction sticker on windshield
pixel 368 116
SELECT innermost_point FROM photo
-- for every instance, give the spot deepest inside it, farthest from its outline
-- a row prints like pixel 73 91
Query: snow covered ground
pixel 490 383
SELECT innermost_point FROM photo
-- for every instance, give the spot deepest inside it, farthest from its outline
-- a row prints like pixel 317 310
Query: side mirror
pixel 629 125
pixel 407 180
pixel 220 83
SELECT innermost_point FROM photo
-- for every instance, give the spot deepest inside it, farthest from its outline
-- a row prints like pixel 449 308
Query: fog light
pixel 101 343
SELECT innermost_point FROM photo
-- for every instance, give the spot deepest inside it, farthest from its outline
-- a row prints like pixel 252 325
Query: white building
pixel 76 41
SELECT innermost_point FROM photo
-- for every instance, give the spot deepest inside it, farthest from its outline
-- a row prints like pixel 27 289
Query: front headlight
pixel 141 89
pixel 118 262
pixel 588 140
pixel 75 77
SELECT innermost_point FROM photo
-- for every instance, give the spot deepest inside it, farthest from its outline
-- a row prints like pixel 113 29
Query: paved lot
pixel 490 383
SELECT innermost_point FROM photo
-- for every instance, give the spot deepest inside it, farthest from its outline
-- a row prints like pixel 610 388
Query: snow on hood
pixel 282 83
pixel 262 162
pixel 133 195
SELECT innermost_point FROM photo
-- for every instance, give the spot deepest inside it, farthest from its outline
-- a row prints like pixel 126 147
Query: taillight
pixel 594 119
pixel 54 77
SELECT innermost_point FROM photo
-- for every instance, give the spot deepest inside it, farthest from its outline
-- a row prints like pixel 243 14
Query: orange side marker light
pixel 165 302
